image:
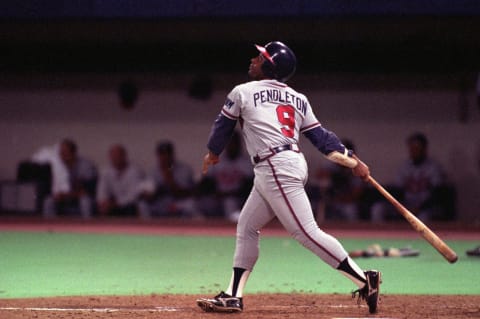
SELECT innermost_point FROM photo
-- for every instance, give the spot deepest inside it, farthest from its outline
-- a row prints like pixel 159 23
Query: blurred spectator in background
pixel 73 180
pixel 168 190
pixel 341 191
pixel 421 184
pixel 230 181
pixel 119 185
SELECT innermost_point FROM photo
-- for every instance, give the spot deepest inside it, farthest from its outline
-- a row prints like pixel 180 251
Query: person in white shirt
pixel 73 180
pixel 119 185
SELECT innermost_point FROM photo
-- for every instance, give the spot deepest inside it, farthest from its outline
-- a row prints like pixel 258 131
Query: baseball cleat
pixel 221 303
pixel 371 291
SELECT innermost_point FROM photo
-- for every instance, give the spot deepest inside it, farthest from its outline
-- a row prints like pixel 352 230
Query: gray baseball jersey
pixel 270 112
pixel 272 115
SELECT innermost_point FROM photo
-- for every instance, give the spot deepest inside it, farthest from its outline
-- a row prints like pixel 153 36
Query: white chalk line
pixel 318 306
pixel 159 309
pixel 155 309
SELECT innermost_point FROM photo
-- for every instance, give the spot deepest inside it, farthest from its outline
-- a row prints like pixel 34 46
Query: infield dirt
pixel 269 306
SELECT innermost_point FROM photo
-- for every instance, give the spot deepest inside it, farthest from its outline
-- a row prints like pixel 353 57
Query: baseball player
pixel 271 116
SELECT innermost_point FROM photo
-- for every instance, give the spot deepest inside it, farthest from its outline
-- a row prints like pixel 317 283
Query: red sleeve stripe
pixel 229 115
pixel 306 128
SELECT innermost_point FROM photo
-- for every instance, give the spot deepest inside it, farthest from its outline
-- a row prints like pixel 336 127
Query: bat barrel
pixel 417 224
pixel 439 245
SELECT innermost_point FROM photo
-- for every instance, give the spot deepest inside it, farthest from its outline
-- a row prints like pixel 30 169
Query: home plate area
pixel 256 306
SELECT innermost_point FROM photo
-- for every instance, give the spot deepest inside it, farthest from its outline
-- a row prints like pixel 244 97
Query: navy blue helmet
pixel 280 62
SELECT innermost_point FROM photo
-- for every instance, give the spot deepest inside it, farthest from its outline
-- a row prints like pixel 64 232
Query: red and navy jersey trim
pixel 309 127
pixel 229 115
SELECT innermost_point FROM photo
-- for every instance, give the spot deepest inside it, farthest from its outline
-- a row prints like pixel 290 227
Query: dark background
pixel 215 36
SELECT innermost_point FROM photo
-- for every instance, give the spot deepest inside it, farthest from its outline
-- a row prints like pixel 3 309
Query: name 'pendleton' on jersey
pixel 270 112
pixel 281 97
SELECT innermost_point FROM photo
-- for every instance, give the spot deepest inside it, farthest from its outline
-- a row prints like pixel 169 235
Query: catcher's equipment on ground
pixel 474 252
pixel 376 250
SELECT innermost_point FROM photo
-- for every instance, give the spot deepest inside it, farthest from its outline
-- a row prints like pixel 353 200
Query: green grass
pixel 56 264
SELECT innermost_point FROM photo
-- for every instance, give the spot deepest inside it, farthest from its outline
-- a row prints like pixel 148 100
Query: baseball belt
pixel 275 150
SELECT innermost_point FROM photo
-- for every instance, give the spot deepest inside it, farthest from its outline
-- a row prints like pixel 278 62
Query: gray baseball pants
pixel 278 191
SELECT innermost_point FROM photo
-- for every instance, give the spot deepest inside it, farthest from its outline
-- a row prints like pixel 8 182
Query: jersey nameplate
pixel 280 97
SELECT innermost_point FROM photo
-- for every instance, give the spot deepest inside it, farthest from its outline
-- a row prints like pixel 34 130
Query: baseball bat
pixel 417 224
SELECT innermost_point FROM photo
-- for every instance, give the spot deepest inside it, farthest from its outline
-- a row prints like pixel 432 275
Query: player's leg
pixel 295 214
pixel 286 195
pixel 255 214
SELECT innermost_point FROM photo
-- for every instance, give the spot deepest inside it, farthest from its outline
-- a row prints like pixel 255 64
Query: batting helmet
pixel 280 62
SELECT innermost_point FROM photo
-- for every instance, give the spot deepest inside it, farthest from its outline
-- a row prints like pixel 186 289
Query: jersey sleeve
pixel 224 125
pixel 310 121
pixel 233 102
pixel 326 141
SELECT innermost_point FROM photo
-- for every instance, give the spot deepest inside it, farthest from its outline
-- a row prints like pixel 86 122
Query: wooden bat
pixel 417 224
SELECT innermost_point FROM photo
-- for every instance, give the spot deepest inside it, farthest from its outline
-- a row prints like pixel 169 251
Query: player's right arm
pixel 220 134
pixel 330 145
